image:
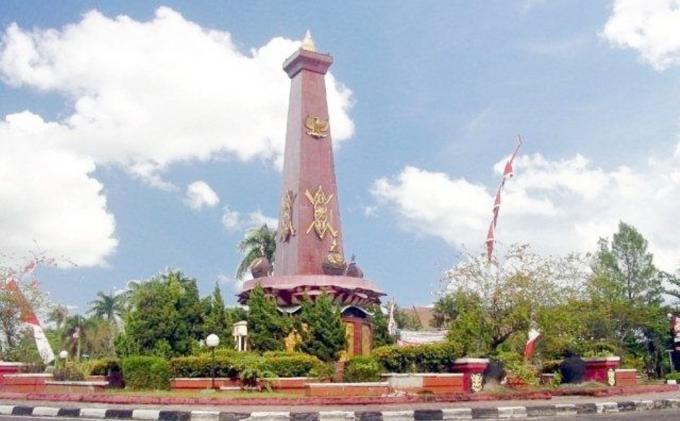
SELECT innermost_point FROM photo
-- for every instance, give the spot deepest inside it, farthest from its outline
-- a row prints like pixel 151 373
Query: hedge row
pixel 279 365
pixel 427 358
pixel 146 373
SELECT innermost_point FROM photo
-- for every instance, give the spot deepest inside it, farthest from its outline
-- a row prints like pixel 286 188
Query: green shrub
pixel 103 366
pixel 427 358
pixel 69 371
pixel 516 366
pixel 146 373
pixel 673 376
pixel 291 364
pixel 362 369
pixel 275 364
pixel 323 371
pixel 551 366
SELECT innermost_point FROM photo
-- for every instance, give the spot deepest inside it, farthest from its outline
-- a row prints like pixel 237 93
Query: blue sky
pixel 105 121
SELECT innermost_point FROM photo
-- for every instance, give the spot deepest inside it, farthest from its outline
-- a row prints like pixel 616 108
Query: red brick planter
pixel 473 372
pixel 290 384
pixel 202 383
pixel 28 382
pixel 83 388
pixel 339 390
pixel 625 376
pixel 9 368
pixel 438 384
pixel 597 369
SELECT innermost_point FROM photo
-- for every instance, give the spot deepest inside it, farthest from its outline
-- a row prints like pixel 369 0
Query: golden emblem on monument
pixel 335 256
pixel 316 127
pixel 321 223
pixel 286 229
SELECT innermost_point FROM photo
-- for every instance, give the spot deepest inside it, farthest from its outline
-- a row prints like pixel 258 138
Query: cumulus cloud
pixel 200 195
pixel 652 27
pixel 233 220
pixel 140 96
pixel 557 206
pixel 49 199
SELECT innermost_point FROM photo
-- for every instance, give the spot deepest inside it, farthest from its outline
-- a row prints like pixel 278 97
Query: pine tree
pixel 267 327
pixel 217 319
pixel 324 332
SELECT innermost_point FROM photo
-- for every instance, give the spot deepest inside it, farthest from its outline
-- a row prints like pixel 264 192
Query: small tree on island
pixel 267 327
pixel 323 333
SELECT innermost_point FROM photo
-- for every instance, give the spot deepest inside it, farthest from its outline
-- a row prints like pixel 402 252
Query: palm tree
pixel 107 306
pixel 58 315
pixel 256 242
pixel 75 331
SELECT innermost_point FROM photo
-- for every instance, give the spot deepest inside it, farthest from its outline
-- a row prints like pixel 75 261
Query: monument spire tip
pixel 308 42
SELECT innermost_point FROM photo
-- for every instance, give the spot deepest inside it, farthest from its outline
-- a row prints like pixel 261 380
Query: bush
pixel 291 364
pixel 362 369
pixel 104 366
pixel 551 366
pixel 69 371
pixel 673 376
pixel 429 358
pixel 516 366
pixel 274 364
pixel 146 373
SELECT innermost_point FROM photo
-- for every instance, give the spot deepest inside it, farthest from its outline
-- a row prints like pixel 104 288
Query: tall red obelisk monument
pixel 309 257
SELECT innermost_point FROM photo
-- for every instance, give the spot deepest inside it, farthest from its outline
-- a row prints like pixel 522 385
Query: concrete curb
pixel 493 413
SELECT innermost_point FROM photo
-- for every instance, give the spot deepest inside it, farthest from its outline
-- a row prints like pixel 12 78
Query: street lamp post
pixel 63 355
pixel 212 341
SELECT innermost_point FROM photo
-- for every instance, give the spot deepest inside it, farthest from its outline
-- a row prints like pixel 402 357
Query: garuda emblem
pixel 316 127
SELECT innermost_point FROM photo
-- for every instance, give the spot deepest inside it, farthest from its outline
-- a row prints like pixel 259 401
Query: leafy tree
pixel 76 331
pixel 381 336
pixel 323 334
pixel 674 281
pixel 492 302
pixel 629 267
pixel 267 327
pixel 165 317
pixel 625 296
pixel 256 241
pixel 444 312
pixel 107 306
pixel 407 319
pixel 58 314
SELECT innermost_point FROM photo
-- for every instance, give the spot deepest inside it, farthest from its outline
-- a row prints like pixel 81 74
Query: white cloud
pixel 49 199
pixel 148 94
pixel 235 221
pixel 141 96
pixel 257 218
pixel 200 195
pixel 652 27
pixel 231 219
pixel 557 206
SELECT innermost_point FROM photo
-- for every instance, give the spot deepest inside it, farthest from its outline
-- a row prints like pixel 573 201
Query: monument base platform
pixel 291 290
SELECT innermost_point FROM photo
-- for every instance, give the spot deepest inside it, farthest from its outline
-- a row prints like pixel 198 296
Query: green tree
pixel 323 333
pixel 407 319
pixel 107 306
pixel 256 241
pixel 625 293
pixel 629 267
pixel 218 320
pixel 77 330
pixel 267 327
pixel 165 317
pixel 492 302
pixel 444 312
pixel 58 314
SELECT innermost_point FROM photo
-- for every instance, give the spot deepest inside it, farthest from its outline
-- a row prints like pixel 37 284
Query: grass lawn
pixel 203 394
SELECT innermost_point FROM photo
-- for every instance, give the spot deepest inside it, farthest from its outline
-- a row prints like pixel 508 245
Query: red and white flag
pixel 530 347
pixel 507 173
pixel 28 316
